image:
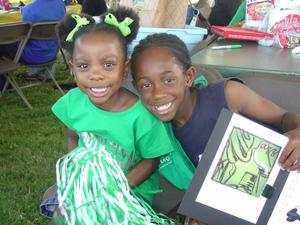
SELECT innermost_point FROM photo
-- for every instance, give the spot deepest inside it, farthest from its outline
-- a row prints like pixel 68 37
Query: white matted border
pixel 229 200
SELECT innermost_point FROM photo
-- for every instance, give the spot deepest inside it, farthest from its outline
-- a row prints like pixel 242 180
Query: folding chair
pixel 13 33
pixel 44 31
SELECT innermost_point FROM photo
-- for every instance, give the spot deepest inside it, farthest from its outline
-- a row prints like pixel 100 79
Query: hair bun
pixel 66 25
pixel 121 13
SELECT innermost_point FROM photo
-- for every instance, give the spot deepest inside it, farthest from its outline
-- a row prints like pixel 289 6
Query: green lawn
pixel 30 143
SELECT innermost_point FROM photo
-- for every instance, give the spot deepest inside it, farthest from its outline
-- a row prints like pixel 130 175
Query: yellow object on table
pixel 10 17
pixel 17 1
pixel 15 16
pixel 76 8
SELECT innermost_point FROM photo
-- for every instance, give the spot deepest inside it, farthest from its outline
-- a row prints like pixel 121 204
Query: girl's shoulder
pixel 74 94
pixel 215 94
pixel 142 115
pixel 73 98
pixel 218 85
pixel 138 107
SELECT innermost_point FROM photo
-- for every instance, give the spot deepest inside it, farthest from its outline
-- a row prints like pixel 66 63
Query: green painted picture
pixel 246 162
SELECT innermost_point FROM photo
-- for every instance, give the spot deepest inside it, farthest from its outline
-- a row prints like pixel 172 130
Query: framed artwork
pixel 238 180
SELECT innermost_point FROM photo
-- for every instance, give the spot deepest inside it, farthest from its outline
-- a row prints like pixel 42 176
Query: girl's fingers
pixel 292 162
pixel 284 159
pixel 295 166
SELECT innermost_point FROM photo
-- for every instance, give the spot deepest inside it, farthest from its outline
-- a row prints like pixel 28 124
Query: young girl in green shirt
pixel 99 113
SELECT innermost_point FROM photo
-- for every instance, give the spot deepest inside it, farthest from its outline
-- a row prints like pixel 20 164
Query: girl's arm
pixel 245 101
pixel 72 140
pixel 141 171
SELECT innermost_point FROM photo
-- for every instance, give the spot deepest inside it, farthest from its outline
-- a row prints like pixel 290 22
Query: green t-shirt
pixel 129 136
pixel 176 166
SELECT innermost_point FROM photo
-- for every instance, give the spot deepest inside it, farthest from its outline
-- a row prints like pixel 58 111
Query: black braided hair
pixel 170 41
pixel 68 23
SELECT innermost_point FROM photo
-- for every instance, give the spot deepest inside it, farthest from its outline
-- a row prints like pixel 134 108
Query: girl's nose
pixel 96 74
pixel 158 92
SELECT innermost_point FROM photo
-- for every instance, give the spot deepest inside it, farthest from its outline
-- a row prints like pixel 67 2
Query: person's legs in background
pixel 2 82
pixel 38 73
pixel 41 72
pixel 7 51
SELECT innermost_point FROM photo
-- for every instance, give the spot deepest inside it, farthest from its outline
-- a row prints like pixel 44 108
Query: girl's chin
pixel 98 101
pixel 164 117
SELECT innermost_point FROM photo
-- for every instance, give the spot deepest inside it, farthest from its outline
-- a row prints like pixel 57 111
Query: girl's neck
pixel 186 109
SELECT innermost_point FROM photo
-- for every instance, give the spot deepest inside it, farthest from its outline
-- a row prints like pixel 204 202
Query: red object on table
pixel 5 4
pixel 240 33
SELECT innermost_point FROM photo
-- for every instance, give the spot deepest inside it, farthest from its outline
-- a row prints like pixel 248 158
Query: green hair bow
pixel 79 23
pixel 122 26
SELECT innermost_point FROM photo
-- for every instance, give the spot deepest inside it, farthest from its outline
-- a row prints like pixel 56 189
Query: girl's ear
pixel 126 70
pixel 190 75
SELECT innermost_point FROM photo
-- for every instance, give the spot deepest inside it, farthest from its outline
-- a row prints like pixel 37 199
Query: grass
pixel 30 143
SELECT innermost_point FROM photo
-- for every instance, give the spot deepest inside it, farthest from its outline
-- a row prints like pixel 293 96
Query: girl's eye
pixel 82 66
pixel 146 86
pixel 169 81
pixel 108 65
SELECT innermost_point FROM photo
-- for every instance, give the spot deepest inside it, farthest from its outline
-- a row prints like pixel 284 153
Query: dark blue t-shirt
pixel 210 101
pixel 195 134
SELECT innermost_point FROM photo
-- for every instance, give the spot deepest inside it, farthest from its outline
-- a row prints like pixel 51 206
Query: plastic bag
pixel 286 4
pixel 256 10
pixel 285 25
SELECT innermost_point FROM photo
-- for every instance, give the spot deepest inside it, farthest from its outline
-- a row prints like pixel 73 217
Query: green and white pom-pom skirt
pixel 92 189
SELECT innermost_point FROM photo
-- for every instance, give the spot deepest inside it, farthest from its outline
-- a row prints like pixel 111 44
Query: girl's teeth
pixel 99 89
pixel 163 107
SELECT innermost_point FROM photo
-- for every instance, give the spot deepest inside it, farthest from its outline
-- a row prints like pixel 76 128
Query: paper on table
pixel 289 199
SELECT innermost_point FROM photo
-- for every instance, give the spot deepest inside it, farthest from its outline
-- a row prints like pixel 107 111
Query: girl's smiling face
pixel 99 66
pixel 163 84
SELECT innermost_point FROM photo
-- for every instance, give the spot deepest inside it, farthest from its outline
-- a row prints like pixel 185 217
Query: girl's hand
pixel 290 157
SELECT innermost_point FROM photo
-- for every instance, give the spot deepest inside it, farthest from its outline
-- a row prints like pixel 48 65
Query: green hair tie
pixel 79 23
pixel 123 26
